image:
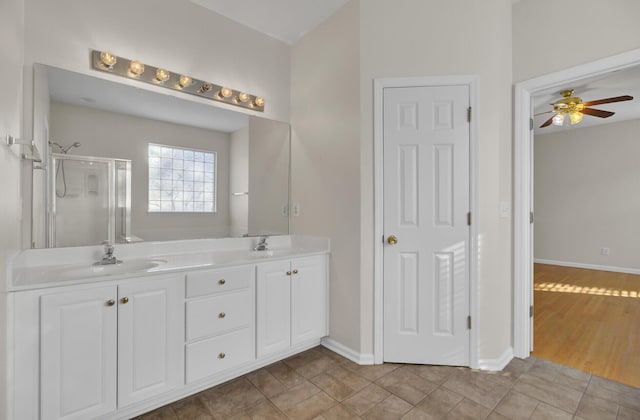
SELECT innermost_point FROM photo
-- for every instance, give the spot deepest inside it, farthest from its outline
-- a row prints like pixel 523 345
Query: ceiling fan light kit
pixel 575 108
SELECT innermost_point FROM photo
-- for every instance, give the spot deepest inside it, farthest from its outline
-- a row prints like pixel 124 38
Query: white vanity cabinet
pixel 114 346
pixel 291 303
pixel 119 343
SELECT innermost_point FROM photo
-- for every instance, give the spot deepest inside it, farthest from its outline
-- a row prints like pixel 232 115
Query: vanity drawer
pixel 216 314
pixel 217 354
pixel 218 281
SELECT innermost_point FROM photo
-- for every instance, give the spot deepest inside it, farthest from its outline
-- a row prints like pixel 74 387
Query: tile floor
pixel 319 384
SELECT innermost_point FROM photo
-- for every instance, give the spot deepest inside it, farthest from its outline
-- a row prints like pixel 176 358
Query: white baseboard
pixel 589 266
pixel 344 351
pixel 496 364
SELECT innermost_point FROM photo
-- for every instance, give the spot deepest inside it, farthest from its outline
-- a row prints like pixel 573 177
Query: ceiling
pixel 618 83
pixel 286 20
pixel 80 89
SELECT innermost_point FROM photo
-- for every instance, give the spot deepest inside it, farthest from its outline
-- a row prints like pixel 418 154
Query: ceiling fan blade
pixel 609 100
pixel 542 113
pixel 547 123
pixel 597 112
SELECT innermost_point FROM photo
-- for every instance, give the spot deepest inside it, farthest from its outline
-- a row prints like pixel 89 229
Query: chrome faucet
pixel 108 258
pixel 262 245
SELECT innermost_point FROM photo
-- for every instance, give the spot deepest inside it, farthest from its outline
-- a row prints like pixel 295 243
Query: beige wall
pixel 432 38
pixel 239 181
pixel 325 117
pixel 586 195
pixel 551 35
pixel 112 135
pixel 188 38
pixel 333 172
pixel 11 46
pixel 269 147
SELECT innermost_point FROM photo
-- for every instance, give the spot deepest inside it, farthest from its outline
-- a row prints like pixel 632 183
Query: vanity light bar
pixel 136 70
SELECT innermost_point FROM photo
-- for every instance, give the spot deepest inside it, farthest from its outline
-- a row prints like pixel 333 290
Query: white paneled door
pixel 426 231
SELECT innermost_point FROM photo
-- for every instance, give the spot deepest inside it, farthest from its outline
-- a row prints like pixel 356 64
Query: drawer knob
pixel 124 300
pixel 288 273
pixel 221 282
pixel 295 271
pixel 111 302
pixel 221 315
pixel 222 356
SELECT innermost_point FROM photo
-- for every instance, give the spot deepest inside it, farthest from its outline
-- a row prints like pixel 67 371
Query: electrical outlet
pixel 296 209
pixel 285 210
pixel 605 251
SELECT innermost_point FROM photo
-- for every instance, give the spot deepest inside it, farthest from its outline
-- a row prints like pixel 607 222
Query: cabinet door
pixel 78 353
pixel 150 338
pixel 308 299
pixel 273 307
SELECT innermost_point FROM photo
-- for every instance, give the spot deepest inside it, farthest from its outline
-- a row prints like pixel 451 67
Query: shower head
pixel 71 146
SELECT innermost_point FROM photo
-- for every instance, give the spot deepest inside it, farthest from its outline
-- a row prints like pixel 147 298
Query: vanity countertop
pixel 36 269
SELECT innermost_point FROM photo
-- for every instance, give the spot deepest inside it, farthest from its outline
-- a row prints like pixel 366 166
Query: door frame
pixel 378 111
pixel 523 184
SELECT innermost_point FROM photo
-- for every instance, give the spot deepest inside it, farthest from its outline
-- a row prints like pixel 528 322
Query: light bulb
pixel 185 81
pixel 107 59
pixel 558 119
pixel 136 68
pixel 162 75
pixel 575 117
pixel 226 92
pixel 259 102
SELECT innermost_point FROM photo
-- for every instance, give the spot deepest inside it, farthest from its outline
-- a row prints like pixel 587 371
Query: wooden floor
pixel 588 320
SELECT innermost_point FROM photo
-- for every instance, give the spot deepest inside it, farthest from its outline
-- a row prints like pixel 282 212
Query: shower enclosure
pixel 89 200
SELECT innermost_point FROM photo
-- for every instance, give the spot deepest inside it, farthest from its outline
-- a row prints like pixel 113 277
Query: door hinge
pixel 469 114
pixel 469 322
pixel 530 123
pixel 531 311
pixel 530 217
pixel 469 219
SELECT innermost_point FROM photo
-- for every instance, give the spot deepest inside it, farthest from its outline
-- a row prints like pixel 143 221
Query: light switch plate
pixel 505 210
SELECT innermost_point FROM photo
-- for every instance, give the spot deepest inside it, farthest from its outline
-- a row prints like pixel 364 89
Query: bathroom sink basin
pixel 84 271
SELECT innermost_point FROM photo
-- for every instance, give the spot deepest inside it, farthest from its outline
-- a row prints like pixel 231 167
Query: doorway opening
pixel 524 185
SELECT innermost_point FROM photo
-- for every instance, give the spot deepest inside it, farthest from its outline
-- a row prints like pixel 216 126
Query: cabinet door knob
pixel 288 273
pixel 221 282
pixel 124 300
pixel 222 356
pixel 392 240
pixel 111 302
pixel 221 315
pixel 295 271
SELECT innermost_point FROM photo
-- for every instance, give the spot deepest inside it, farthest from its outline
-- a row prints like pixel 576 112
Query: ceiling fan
pixel 576 109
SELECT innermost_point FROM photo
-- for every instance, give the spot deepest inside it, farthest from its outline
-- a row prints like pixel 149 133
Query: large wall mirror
pixel 127 164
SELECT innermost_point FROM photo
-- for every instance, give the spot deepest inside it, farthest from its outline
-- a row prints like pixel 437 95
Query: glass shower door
pixel 82 201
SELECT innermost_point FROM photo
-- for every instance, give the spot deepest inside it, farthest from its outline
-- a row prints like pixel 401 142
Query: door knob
pixel 392 240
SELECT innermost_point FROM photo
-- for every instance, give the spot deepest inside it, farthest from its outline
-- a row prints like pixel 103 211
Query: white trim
pixel 497 364
pixel 626 270
pixel 349 353
pixel 379 85
pixel 523 184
